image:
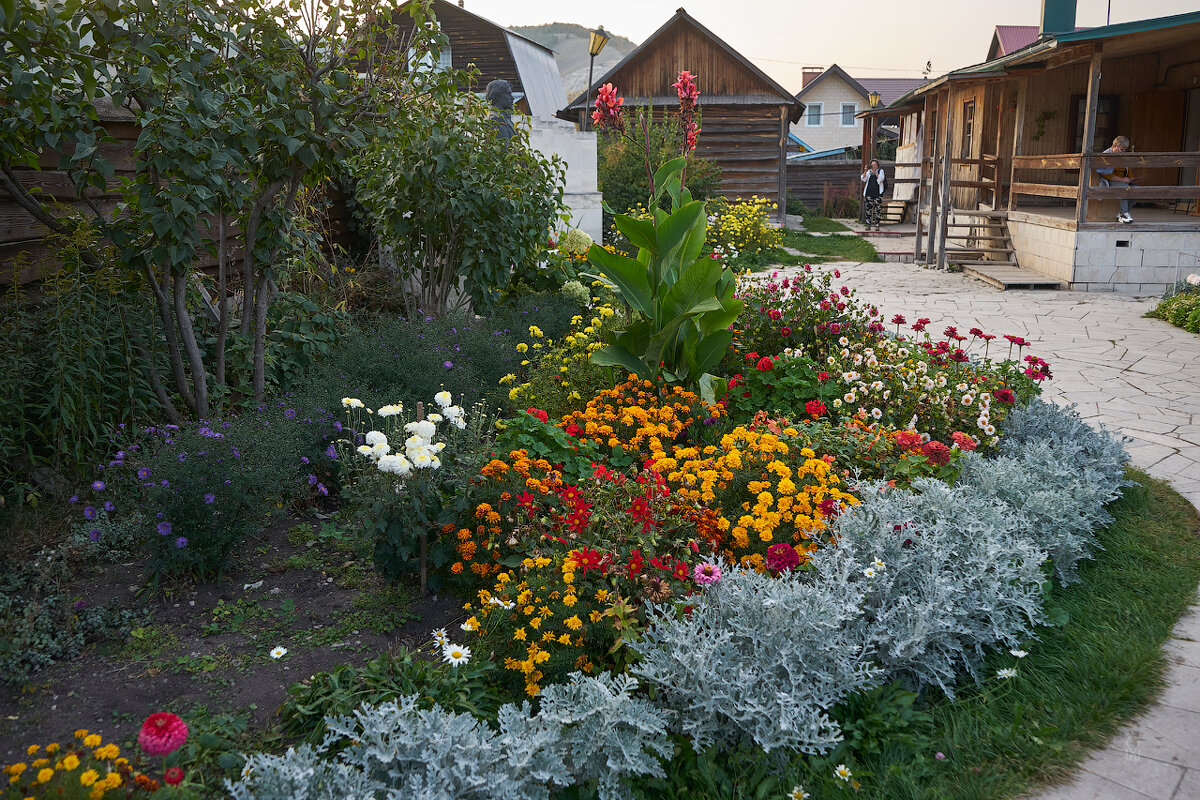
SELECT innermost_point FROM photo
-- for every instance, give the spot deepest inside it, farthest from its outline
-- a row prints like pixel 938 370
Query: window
pixel 813 120
pixel 848 112
pixel 444 62
pixel 968 128
pixel 1106 121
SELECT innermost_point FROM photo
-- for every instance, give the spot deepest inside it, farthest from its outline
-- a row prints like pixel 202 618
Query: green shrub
pixel 70 371
pixel 1181 310
pixel 740 228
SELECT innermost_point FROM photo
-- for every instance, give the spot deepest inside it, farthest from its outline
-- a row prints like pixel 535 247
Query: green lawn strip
pixel 813 249
pixel 1080 682
pixel 823 224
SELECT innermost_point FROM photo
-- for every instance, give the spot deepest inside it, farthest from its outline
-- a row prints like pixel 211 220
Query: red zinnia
pixel 781 557
pixel 785 331
pixel 964 441
pixel 173 776
pixel 162 734
pixel 907 440
pixel 937 453
pixel 1005 396
pixel 764 364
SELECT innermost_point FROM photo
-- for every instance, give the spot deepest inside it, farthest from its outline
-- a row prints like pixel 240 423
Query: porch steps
pixel 985 250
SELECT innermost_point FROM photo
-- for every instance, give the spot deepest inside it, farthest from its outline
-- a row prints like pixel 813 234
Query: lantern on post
pixel 596 42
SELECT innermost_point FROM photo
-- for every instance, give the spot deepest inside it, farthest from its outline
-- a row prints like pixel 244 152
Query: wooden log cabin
pixel 1001 157
pixel 745 115
pixel 497 53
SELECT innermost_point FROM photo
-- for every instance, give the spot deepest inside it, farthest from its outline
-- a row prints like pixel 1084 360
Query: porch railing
pixel 1081 191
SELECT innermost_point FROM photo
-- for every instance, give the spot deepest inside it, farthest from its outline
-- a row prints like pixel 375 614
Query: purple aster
pixel 209 499
pixel 94 534
pixel 73 499
pixel 448 364
pixel 109 507
pixel 143 473
pixel 303 459
pixel 337 426
pixel 312 480
pixel 322 490
pixel 181 542
pixel 89 512
pixel 164 528
pixel 331 452
pixel 290 413
pixel 98 486
pixel 166 484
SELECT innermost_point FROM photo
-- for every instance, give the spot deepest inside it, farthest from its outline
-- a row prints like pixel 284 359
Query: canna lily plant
pixel 681 301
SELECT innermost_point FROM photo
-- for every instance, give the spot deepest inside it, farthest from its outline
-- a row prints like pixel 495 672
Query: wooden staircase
pixel 979 242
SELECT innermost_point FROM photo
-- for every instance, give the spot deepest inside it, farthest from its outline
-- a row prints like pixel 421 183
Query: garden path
pixel 1136 375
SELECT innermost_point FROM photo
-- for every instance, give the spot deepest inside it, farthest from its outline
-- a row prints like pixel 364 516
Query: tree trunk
pixel 167 317
pixel 262 301
pixel 188 335
pixel 222 299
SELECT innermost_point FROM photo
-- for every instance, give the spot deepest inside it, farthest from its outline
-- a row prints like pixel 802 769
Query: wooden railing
pixel 1132 161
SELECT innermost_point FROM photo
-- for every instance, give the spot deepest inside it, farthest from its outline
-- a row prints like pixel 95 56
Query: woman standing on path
pixel 874 185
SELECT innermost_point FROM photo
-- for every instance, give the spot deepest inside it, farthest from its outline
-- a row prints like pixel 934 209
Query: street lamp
pixel 873 99
pixel 596 43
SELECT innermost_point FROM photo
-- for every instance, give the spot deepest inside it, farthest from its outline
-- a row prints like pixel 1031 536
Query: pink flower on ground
pixel 781 557
pixel 173 776
pixel 937 453
pixel 162 734
pixel 964 441
pixel 706 574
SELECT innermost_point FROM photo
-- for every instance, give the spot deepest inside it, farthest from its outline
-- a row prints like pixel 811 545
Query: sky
pixel 868 38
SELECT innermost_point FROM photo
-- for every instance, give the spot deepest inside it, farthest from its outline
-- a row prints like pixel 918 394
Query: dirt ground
pixel 210 645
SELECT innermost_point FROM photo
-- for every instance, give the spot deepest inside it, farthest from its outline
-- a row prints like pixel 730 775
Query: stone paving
pixel 1129 373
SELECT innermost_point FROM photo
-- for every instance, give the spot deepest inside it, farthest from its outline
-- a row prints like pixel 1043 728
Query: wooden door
pixel 1157 127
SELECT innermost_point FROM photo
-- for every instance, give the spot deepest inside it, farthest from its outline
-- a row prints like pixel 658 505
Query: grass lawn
pixel 813 249
pixel 1080 682
pixel 823 224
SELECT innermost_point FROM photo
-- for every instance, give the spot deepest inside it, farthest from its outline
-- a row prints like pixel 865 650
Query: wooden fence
pixel 806 180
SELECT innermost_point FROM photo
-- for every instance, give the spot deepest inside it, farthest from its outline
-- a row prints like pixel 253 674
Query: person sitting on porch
pixel 1111 175
pixel 874 185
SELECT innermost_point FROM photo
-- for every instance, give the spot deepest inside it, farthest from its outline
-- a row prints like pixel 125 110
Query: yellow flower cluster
pixel 639 417
pixel 556 372
pixel 54 772
pixel 740 228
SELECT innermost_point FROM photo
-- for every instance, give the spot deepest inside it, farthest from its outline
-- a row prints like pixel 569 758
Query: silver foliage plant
pixel 760 659
pixel 922 583
pixel 587 729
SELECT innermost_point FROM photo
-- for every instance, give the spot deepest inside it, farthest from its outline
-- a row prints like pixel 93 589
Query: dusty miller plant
pixel 590 730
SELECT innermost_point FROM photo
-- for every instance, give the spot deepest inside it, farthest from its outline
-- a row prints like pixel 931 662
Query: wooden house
pixel 1003 157
pixel 498 53
pixel 744 113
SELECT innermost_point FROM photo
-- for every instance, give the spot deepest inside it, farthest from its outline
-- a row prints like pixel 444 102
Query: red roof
pixel 1012 38
pixel 890 88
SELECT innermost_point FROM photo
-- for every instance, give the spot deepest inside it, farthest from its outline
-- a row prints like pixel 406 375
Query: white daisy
pixel 456 654
pixel 842 772
pixel 1018 653
pixel 869 572
pixel 467 626
pixel 1006 673
pixel 441 637
pixel 798 794
pixel 879 565
pixel 278 653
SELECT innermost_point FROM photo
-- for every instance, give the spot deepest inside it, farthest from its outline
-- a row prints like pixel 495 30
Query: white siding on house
pixel 830 93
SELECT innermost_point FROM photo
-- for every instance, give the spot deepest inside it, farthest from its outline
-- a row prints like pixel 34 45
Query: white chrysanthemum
pixel 941 381
pixel 375 437
pixel 1018 653
pixel 843 341
pixel 456 654
pixel 467 626
pixel 278 653
pixel 968 399
pixel 878 564
pixel 443 399
pixel 962 387
pixel 439 447
pixel 395 464
pixel 435 463
pixel 1006 673
pixel 364 450
pixel 990 430
pixel 441 637
pixel 849 397
pixel 435 418
pixel 421 459
pixel 423 428
pixel 351 402
pixel 452 412
pixel 381 449
pixel 460 423
pixel 876 413
pixel 391 410
pixel 850 377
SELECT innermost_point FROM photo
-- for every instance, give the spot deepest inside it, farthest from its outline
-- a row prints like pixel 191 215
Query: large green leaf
pixel 640 232
pixel 693 292
pixel 676 227
pixel 711 350
pixel 718 320
pixel 627 275
pixel 666 173
pixel 617 356
pixel 664 338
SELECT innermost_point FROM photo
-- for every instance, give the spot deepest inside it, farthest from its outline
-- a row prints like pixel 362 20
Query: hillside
pixel 569 42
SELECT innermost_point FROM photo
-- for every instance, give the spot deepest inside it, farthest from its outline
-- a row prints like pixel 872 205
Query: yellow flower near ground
pixel 92 740
pixel 70 762
pixel 89 777
pixel 45 775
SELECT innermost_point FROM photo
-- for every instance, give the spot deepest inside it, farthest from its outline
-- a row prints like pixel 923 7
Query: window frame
pixel 853 110
pixel 968 128
pixel 820 116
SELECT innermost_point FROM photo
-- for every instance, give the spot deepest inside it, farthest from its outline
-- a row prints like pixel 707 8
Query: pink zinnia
pixel 781 557
pixel 937 453
pixel 162 734
pixel 706 574
pixel 964 441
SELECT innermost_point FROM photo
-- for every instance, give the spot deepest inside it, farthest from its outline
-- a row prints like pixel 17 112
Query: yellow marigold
pixel 107 752
pixel 33 748
pixel 564 639
pixel 569 600
pixel 70 762
pixel 38 763
pixel 89 777
pixel 17 769
pixel 54 748
pixel 45 775
pixel 519 636
pixel 113 780
pixel 82 732
pixel 92 740
pixel 573 622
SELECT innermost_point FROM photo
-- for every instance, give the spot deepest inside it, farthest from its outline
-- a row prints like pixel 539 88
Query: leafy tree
pixel 241 104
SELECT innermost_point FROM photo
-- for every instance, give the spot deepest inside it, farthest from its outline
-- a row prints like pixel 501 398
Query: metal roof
pixel 539 76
